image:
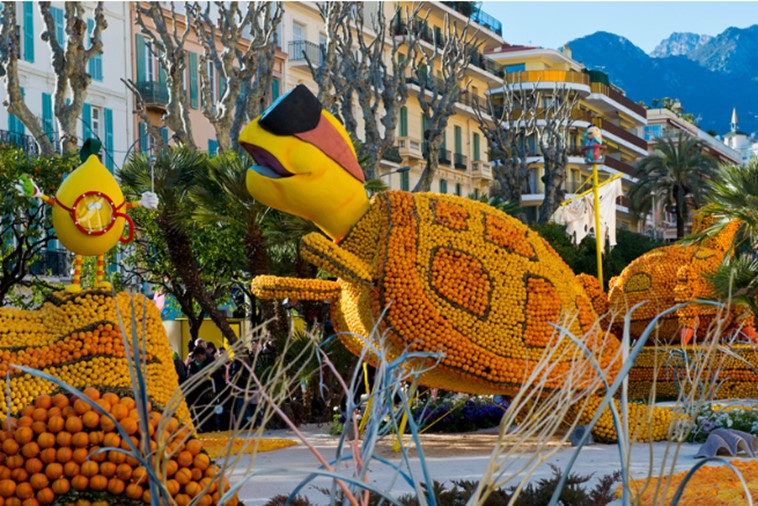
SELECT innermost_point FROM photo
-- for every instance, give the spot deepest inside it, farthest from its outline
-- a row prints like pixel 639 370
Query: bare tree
pixel 167 41
pixel 334 87
pixel 240 46
pixel 438 94
pixel 507 122
pixel 70 58
pixel 553 134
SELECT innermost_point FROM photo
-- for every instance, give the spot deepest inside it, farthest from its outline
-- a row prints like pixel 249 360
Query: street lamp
pixel 399 170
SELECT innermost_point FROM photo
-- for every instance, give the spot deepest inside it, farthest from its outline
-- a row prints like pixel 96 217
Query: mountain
pixel 710 80
pixel 679 44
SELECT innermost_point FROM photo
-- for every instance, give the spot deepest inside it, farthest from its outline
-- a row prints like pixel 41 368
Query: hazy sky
pixel 552 24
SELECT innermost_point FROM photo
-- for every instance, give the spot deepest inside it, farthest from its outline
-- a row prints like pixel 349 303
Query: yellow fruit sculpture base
pixel 726 376
pixel 76 337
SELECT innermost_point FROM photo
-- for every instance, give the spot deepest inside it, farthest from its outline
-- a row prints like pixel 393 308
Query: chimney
pixel 566 50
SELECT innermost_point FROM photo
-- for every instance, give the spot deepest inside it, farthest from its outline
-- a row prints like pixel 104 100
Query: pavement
pixel 448 457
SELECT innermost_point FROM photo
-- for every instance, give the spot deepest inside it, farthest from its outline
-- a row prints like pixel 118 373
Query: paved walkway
pixel 448 457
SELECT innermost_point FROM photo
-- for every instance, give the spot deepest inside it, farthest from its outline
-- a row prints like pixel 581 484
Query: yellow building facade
pixel 621 120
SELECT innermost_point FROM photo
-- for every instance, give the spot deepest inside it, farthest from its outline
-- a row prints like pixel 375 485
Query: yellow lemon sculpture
pixel 89 212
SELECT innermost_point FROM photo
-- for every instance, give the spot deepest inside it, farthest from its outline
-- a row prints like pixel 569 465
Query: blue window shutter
pixel 164 135
pixel 29 31
pixel 140 49
pixel 193 80
pixel 143 141
pixel 58 17
pixel 86 119
pixel 212 147
pixel 96 62
pixel 108 118
pixel 275 89
pixel 15 125
pixel 47 116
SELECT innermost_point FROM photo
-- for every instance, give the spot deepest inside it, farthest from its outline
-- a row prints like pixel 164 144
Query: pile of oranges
pixel 76 337
pixel 61 447
pixel 646 423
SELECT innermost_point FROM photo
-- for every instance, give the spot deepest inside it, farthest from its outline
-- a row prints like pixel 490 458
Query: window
pixel 405 181
pixel 458 189
pixel 28 53
pixel 193 88
pixel 95 122
pixel 653 132
pixel 458 140
pixel 443 186
pixel 58 18
pixel 96 62
pixel 531 142
pixel 149 63
pixel 275 89
pixel 108 120
pixel 403 122
pixel 476 147
pixel 298 32
pixel 48 124
pixel 517 67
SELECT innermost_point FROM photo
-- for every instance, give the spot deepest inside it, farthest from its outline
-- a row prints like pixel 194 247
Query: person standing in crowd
pixel 201 394
pixel 199 343
pixel 210 350
pixel 181 371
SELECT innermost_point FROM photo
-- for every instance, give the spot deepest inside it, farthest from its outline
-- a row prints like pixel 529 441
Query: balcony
pixel 461 161
pixel 471 99
pixel 621 133
pixel 481 169
pixel 408 147
pixel 52 263
pixel 22 141
pixel 484 63
pixel 154 94
pixel 619 98
pixel 300 49
pixel 477 15
pixel 618 165
pixel 392 155
pixel 548 76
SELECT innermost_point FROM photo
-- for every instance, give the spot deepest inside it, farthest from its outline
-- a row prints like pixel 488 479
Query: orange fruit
pixel 80 440
pixel 63 454
pixel 116 486
pixel 81 407
pixel 98 483
pixel 10 447
pixel 80 455
pixel 108 469
pixel 33 466
pixel 61 486
pixel 7 488
pixel 182 499
pixel 48 455
pixel 74 424
pixel 110 397
pixel 124 472
pixel 39 481
pixel 63 438
pixel 60 401
pixel 38 426
pixel 183 476
pixel 39 415
pixel 133 491
pixel 202 461
pixel 171 467
pixel 24 491
pixel 96 437
pixel 193 446
pixel 14 461
pixel 54 471
pixel 90 419
pixel 192 488
pixel 96 455
pixel 71 469
pixel 79 482
pixel 184 459
pixel 119 411
pixel 19 474
pixel 30 450
pixel 45 496
pixel 44 401
pixel 92 393
pixel 46 440
pixel 89 468
pixel 23 435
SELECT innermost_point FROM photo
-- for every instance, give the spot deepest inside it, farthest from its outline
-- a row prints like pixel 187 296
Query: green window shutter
pixel 58 18
pixel 212 147
pixel 405 181
pixel 143 141
pixel 443 186
pixel 29 31
pixel 86 119
pixel 15 125
pixel 222 87
pixel 161 71
pixel 444 140
pixel 164 135
pixel 47 116
pixel 96 62
pixel 108 119
pixel 458 189
pixel 458 140
pixel 140 50
pixel 403 122
pixel 193 80
pixel 476 147
pixel 274 89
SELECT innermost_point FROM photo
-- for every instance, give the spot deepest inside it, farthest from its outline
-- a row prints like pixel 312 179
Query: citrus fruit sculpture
pixel 432 272
pixel 57 448
pixel 89 211
pixel 670 275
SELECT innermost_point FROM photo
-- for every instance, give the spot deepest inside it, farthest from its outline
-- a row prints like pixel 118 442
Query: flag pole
pixel 598 235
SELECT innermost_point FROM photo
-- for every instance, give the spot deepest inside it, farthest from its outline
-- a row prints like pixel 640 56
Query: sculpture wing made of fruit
pixel 454 275
pixel 668 276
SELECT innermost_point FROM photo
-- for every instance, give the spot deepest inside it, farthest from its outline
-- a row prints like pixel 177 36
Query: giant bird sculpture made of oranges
pixel 440 273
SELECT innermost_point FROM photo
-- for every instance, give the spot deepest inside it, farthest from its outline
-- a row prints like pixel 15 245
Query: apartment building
pixel 150 79
pixel 463 163
pixel 600 102
pixel 665 123
pixel 107 110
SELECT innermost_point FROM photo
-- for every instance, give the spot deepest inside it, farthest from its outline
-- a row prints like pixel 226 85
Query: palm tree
pixel 676 175
pixel 734 197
